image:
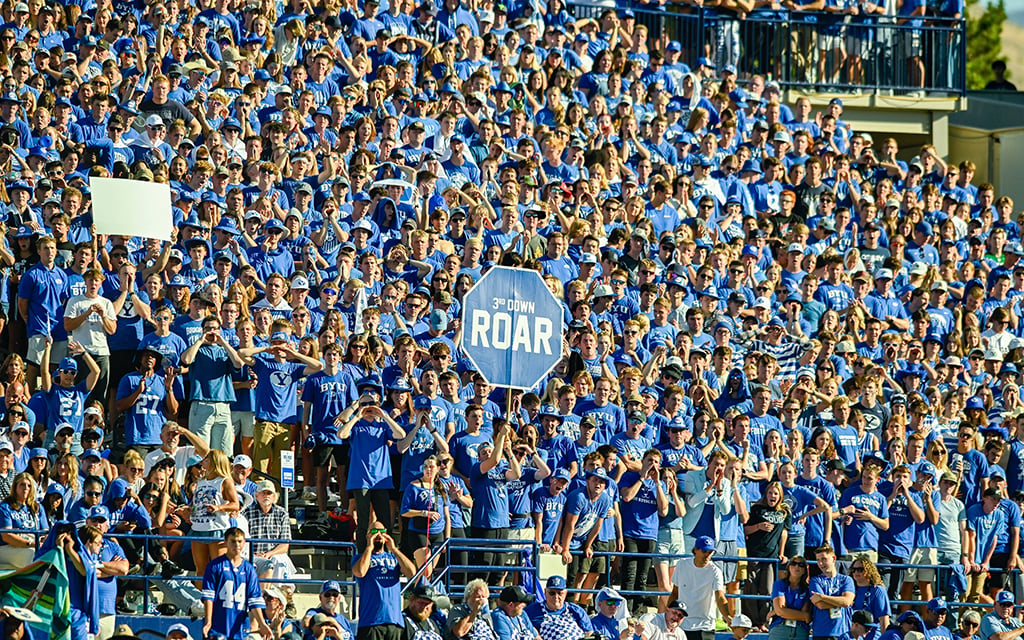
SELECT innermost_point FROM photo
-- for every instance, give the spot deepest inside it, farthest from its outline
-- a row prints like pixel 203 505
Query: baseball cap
pixel 182 628
pixel 741 621
pixel 937 604
pixel 556 582
pixel 99 512
pixel 705 543
pixel 1004 597
pixel 242 460
pixel 516 594
pixel 68 364
pixel 330 585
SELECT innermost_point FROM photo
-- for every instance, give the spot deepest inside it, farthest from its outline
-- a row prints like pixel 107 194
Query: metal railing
pixel 815 51
pixel 457 563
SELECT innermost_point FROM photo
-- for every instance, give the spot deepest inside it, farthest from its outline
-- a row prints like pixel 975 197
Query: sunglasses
pixel 94 494
pixel 376 531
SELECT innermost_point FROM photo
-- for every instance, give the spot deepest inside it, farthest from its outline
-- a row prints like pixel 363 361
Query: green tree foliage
pixel 984 40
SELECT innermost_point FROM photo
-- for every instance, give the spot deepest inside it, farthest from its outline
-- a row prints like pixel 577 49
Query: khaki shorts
pixel 871 555
pixel 922 556
pixel 269 440
pixel 244 422
pixel 37 343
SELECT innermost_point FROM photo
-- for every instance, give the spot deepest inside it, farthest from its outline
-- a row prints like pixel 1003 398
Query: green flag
pixel 41 587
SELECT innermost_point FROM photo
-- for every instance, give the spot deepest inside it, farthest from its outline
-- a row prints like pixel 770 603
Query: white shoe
pixel 333 497
pixel 309 494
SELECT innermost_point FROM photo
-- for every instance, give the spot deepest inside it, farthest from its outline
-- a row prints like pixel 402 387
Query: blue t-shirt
pixel 328 396
pixel 834 621
pixel 820 487
pixel 380 594
pixel 145 419
pixel 370 465
pixel 276 392
pixel 639 515
pixel 66 404
pixel 210 374
pixel 873 598
pixel 862 535
pixel 590 513
pixel 108 586
pixel 795 599
pixel 987 528
pixel 46 291
pixel 424 499
pixel 898 539
pixel 550 508
pixel 490 497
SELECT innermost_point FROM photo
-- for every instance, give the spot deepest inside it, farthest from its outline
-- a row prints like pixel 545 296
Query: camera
pixel 9 135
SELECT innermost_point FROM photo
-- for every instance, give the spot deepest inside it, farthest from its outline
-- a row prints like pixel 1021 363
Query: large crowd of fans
pixel 791 350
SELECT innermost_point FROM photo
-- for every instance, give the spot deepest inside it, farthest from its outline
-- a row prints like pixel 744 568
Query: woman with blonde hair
pixel 214 500
pixel 21 514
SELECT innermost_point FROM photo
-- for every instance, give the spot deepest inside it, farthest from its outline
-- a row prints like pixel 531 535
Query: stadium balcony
pixel 896 77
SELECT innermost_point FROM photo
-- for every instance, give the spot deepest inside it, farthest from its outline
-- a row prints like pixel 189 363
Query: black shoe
pixel 170 569
pixel 123 608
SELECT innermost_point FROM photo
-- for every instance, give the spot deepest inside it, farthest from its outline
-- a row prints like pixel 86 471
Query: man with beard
pixel 377 571
pixel 418 613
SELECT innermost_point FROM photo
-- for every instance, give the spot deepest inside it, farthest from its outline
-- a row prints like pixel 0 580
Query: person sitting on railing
pixel 20 512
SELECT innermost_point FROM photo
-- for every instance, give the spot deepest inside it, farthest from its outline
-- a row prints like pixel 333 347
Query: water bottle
pixel 300 515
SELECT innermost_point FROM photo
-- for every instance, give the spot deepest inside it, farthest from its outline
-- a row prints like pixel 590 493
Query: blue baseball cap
pixel 68 364
pixel 39 452
pixel 557 582
pixel 99 512
pixel 1004 597
pixel 421 403
pixel 704 543
pixel 599 472
pixel 562 474
pixel 279 336
pixel 330 585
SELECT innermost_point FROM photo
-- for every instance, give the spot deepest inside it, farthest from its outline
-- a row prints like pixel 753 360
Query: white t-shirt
pixel 658 630
pixel 90 334
pixel 180 455
pixel 697 588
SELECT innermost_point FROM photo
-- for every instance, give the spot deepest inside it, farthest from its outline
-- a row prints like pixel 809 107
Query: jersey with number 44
pixel 233 591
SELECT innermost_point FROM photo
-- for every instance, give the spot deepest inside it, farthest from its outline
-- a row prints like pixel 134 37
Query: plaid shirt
pixel 271 525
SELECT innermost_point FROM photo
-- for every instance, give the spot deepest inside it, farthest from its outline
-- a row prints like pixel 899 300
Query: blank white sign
pixel 131 208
